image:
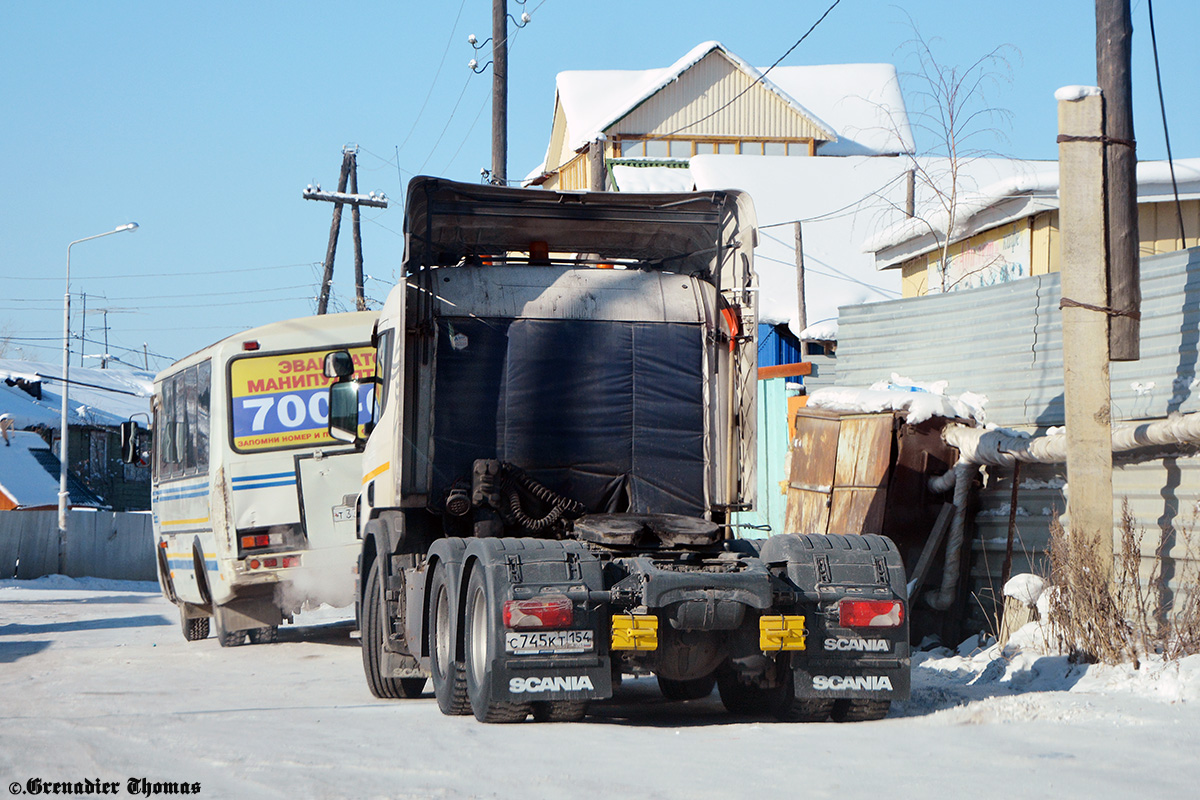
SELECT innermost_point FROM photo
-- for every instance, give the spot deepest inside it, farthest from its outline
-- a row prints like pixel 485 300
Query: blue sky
pixel 204 122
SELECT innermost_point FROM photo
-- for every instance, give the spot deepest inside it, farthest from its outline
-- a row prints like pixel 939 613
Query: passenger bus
pixel 253 502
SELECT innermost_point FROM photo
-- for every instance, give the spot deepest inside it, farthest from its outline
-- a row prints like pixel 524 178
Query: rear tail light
pixel 545 612
pixel 286 561
pixel 262 540
pixel 871 613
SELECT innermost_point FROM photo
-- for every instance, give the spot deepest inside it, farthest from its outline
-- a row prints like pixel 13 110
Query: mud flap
pixel 870 662
pixel 522 568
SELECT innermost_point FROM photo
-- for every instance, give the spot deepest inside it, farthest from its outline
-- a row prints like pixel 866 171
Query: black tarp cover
pixel 608 413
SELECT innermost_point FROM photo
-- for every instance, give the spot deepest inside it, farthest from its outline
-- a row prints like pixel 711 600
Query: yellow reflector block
pixel 635 632
pixel 781 633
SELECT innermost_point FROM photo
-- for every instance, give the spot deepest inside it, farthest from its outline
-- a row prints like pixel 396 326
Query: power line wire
pixel 1166 134
pixel 161 274
pixel 757 80
pixel 453 30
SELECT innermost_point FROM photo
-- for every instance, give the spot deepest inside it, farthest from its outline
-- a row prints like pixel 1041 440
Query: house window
pixel 631 148
pixel 775 148
pixel 727 148
pixel 681 148
pixel 657 148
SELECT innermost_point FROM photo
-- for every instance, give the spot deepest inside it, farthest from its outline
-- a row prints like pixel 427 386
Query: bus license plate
pixel 544 642
pixel 343 513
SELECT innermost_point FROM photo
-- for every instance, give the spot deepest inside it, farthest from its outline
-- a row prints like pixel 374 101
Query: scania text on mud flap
pixel 566 422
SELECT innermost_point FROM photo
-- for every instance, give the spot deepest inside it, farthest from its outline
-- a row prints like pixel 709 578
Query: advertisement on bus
pixel 281 400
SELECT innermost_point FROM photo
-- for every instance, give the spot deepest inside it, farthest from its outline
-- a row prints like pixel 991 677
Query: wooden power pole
pixel 1114 32
pixel 801 306
pixel 500 92
pixel 353 199
pixel 1087 395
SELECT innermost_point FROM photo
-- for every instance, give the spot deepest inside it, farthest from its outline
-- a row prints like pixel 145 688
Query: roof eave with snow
pixel 915 238
pixel 1017 198
pixel 662 78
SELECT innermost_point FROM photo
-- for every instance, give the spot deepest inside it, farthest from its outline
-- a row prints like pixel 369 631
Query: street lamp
pixel 66 376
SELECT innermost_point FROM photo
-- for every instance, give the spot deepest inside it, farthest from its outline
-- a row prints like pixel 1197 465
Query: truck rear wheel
pixel 860 710
pixel 789 708
pixel 742 698
pixel 559 710
pixel 373 625
pixel 693 689
pixel 477 643
pixel 449 680
pixel 226 637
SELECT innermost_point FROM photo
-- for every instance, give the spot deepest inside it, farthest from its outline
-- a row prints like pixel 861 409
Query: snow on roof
pixel 657 178
pixel 862 102
pixel 97 396
pixel 1035 183
pixel 823 331
pixel 29 473
pixel 841 201
pixel 859 105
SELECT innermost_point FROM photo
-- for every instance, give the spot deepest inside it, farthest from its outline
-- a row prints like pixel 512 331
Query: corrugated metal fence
pixel 99 544
pixel 1005 341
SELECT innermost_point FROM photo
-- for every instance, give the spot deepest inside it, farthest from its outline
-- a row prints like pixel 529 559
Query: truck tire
pixel 372 645
pixel 693 689
pixel 740 698
pixel 559 710
pixel 194 629
pixel 477 645
pixel 449 680
pixel 860 710
pixel 788 708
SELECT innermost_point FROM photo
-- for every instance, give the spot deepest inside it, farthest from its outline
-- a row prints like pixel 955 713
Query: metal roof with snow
pixel 29 475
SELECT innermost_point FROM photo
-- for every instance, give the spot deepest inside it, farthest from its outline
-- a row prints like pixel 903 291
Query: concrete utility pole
pixel 1114 32
pixel 354 200
pixel 500 92
pixel 1087 397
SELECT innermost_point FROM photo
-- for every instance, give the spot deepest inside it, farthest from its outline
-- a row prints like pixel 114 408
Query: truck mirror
pixel 343 409
pixel 339 364
pixel 129 442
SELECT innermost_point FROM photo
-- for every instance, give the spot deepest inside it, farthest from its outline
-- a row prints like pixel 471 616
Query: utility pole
pixel 83 331
pixel 1114 32
pixel 500 92
pixel 354 200
pixel 1087 399
pixel 802 319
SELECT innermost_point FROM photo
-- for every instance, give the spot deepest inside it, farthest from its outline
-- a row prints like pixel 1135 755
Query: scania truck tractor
pixel 563 426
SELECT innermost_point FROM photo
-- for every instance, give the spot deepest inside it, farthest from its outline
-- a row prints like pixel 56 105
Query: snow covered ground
pixel 98 683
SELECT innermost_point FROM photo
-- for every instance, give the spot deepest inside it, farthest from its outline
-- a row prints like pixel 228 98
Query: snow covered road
pixel 97 682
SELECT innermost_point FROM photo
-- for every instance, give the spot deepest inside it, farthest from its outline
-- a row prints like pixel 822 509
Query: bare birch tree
pixel 950 108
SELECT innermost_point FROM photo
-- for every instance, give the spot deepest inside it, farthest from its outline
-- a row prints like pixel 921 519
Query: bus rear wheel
pixel 194 628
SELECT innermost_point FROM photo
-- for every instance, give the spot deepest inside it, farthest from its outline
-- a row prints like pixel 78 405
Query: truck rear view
pixel 566 395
